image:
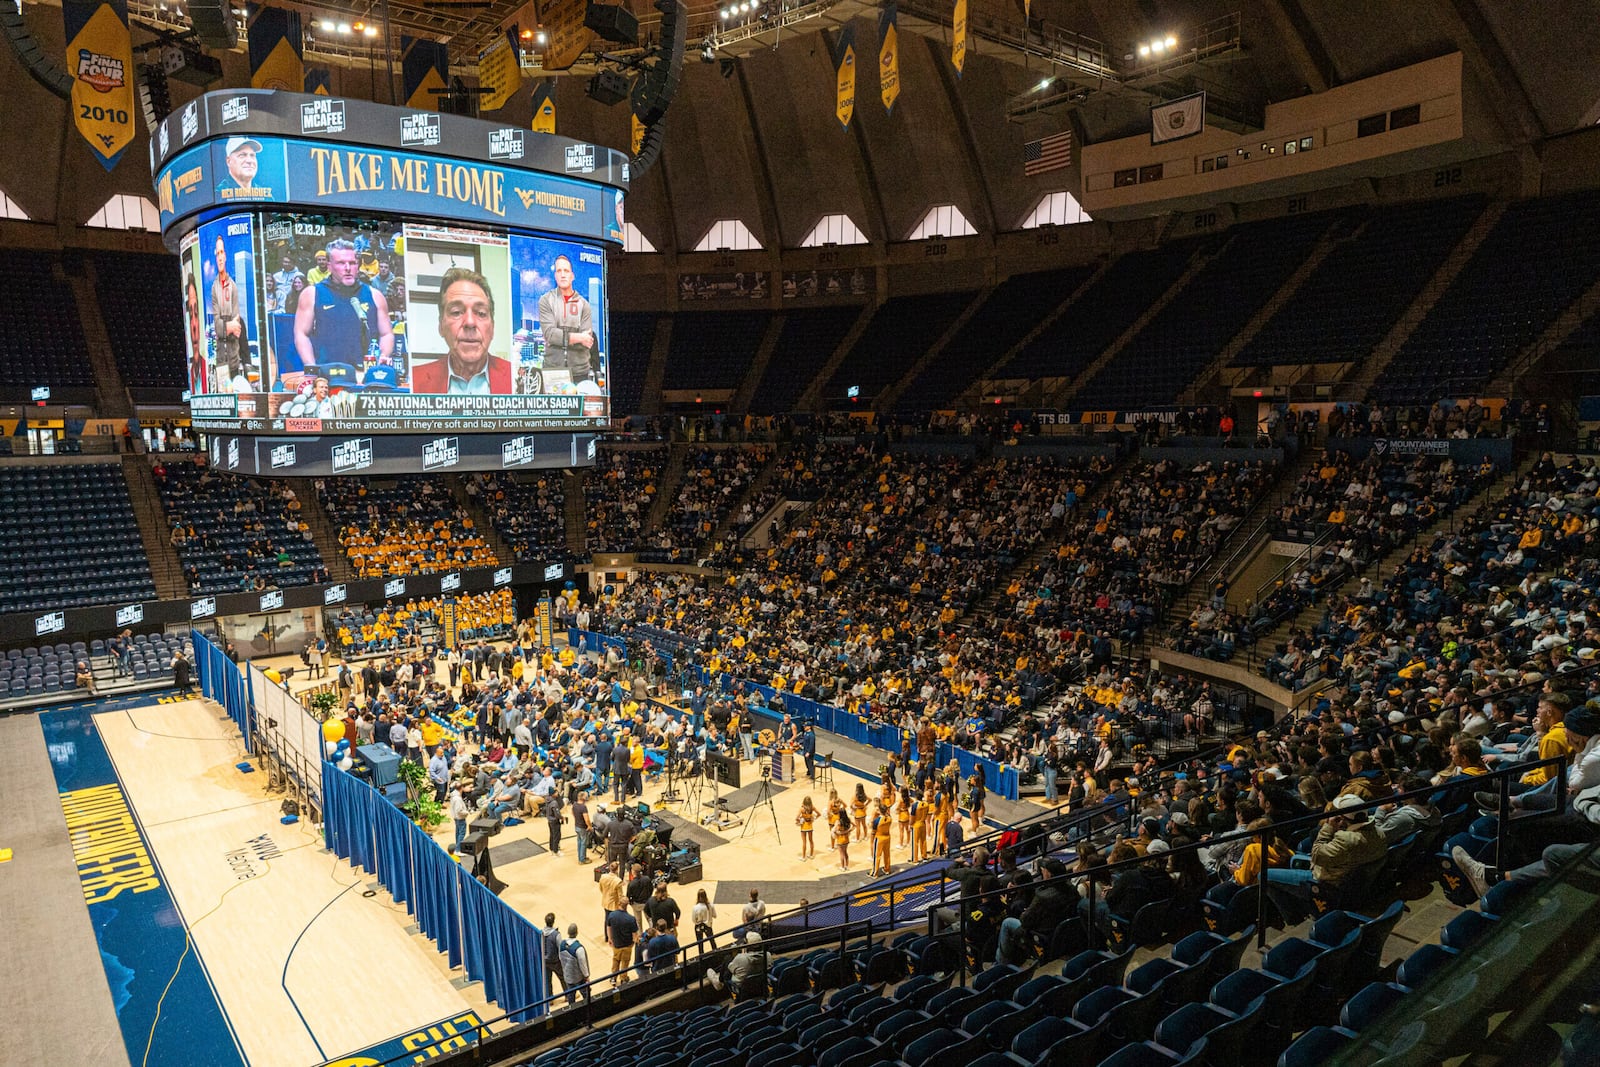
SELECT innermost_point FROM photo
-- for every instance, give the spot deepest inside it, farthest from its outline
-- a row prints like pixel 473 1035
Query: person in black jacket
pixel 1137 886
pixel 1055 900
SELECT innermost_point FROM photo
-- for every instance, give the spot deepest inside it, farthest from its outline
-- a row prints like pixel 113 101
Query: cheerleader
pixel 858 811
pixel 902 816
pixel 806 820
pixel 880 851
pixel 841 838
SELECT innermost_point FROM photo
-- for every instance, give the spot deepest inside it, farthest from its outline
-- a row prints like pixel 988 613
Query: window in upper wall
pixel 946 220
pixel 124 211
pixel 1055 209
pixel 729 235
pixel 634 241
pixel 834 230
pixel 10 209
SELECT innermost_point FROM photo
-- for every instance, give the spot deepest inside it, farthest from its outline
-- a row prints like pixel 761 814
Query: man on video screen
pixel 226 320
pixel 466 323
pixel 567 322
pixel 338 319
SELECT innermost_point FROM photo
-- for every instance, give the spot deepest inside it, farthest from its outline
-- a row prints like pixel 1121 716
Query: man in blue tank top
pixel 337 319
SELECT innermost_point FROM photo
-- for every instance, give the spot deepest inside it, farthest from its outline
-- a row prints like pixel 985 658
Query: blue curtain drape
pixel 223 680
pixel 503 951
pixel 470 925
pixel 437 899
pixel 347 817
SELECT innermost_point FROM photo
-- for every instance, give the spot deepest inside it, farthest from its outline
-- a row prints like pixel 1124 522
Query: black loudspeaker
pixel 650 148
pixel 653 92
pixel 215 25
pixel 155 97
pixel 473 844
pixel 614 22
pixel 608 87
pixel 487 825
pixel 41 67
pixel 689 875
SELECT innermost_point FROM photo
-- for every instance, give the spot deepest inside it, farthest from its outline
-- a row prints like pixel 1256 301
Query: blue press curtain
pixel 503 950
pixel 392 832
pixel 223 680
pixel 347 816
pixel 437 901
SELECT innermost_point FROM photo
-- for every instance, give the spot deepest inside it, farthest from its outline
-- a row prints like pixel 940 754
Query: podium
pixel 782 764
pixel 384 761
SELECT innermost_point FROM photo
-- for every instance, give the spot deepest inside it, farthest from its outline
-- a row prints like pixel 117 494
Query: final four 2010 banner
pixel 100 56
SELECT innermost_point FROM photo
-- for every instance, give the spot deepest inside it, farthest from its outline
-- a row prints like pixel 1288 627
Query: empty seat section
pixel 68 538
pixel 901 331
pixel 806 342
pixel 141 301
pixel 713 350
pixel 632 335
pixel 41 338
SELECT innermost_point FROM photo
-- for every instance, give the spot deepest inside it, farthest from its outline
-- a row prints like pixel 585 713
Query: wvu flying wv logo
pixel 527 197
pixel 101 72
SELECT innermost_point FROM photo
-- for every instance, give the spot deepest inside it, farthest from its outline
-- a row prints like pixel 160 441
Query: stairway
pixel 812 393
pixel 760 482
pixel 323 533
pixel 155 532
pixel 481 519
pixel 1199 262
pixel 973 393
pixel 576 512
pixel 758 365
pixel 655 371
pixel 666 489
pixel 111 395
pixel 1378 361
pixel 1331 239
pixel 1554 336
pixel 1270 641
pixel 887 399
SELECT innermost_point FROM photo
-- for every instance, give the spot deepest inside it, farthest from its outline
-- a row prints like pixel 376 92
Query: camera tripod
pixel 763 796
pixel 720 816
pixel 670 795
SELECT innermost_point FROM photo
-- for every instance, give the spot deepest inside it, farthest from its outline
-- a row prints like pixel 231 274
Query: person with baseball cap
pixel 240 184
pixel 1346 842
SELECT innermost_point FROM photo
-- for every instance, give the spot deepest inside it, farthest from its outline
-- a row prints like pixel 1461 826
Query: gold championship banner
pixel 424 67
pixel 319 81
pixel 566 37
pixel 275 40
pixel 958 37
pixel 844 78
pixel 500 72
pixel 544 106
pixel 100 57
pixel 447 622
pixel 888 57
pixel 637 130
pixel 546 617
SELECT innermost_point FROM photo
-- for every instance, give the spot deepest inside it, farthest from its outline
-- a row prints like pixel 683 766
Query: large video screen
pixel 333 323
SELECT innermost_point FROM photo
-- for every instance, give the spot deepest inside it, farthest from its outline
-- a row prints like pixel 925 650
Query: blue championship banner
pixel 888 56
pixel 544 111
pixel 319 80
pixel 275 50
pixel 100 56
pixel 424 68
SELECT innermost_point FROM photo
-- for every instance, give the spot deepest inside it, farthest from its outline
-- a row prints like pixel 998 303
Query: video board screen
pixel 333 322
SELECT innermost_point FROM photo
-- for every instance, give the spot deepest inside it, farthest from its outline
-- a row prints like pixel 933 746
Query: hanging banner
pixel 1027 10
pixel 637 131
pixel 566 37
pixel 1177 119
pixel 500 72
pixel 958 37
pixel 101 60
pixel 424 67
pixel 546 620
pixel 544 106
pixel 888 57
pixel 844 78
pixel 319 81
pixel 276 58
pixel 447 622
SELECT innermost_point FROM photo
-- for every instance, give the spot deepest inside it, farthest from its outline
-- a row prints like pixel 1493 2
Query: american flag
pixel 1047 153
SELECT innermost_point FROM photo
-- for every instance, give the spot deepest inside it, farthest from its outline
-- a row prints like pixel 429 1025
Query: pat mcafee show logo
pixel 441 452
pixel 419 129
pixel 517 451
pixel 352 455
pixel 580 158
pixel 282 456
pixel 235 109
pixel 322 116
pixel 133 613
pixel 506 144
pixel 52 623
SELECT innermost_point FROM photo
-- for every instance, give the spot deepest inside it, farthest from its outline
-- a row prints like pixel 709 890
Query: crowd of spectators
pixel 618 492
pixel 236 534
pixel 530 514
pixel 409 525
pixel 412 625
pixel 713 481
